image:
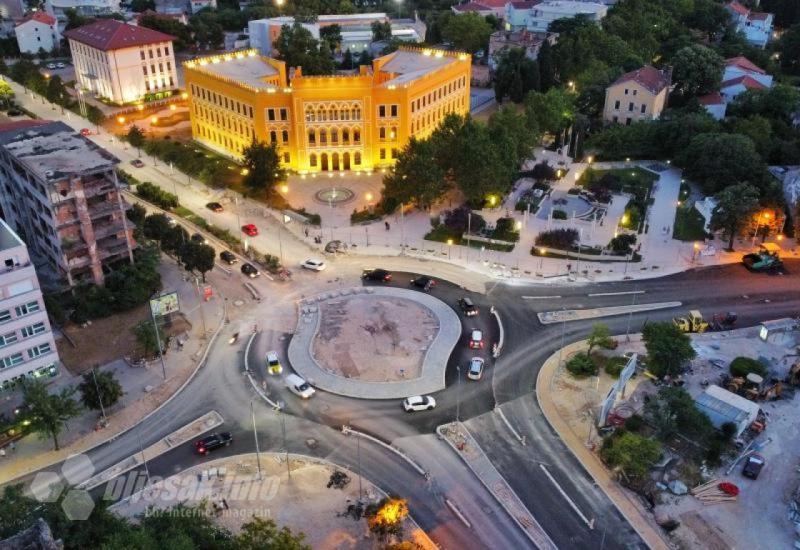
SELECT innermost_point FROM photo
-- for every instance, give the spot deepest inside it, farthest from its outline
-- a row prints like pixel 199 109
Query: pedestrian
pixel 387 225
pixel 13 446
pixel 306 232
pixel 2 453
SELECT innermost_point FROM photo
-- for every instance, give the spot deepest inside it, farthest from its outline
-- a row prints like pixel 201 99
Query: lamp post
pixel 449 247
pixel 255 436
pixel 542 252
pixel 458 394
pixel 99 395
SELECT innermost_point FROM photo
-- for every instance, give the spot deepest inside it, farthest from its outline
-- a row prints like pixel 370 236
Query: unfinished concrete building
pixel 59 192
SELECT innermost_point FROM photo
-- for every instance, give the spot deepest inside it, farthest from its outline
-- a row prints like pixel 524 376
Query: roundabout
pixel 374 342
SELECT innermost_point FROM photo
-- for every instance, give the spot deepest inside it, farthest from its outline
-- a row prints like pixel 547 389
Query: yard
pixel 689 224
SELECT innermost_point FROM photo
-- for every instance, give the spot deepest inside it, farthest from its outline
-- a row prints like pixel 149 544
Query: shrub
pixel 622 242
pixel 634 423
pixel 365 215
pixel 574 191
pixel 563 239
pixel 154 194
pixel 581 365
pixel 459 219
pixel 615 365
pixel 313 219
pixel 742 366
pixel 506 230
pixel 559 214
pixel 632 453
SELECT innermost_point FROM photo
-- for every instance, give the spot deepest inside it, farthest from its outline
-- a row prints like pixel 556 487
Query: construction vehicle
pixel 794 375
pixel 723 322
pixel 766 259
pixel 693 323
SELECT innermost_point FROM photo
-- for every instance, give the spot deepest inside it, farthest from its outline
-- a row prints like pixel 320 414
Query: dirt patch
pixel 705 535
pixel 372 338
pixel 109 339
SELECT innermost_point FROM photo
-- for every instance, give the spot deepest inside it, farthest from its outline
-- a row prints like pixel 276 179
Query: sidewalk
pixel 638 518
pixel 145 388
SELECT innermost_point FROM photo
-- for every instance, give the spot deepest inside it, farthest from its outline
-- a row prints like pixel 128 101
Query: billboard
pixel 165 304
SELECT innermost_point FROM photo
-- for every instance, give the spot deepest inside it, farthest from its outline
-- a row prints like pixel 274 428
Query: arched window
pixel 309 115
pixel 334 136
pixel 332 114
pixel 312 160
pixel 357 158
pixel 354 112
pixel 323 136
pixel 273 136
pixel 346 136
pixel 320 115
pixel 344 114
pixel 312 137
pixel 393 133
pixel 285 136
pixel 356 136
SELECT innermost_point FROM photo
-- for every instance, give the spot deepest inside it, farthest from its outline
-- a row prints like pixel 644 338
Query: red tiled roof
pixel 714 98
pixel 109 34
pixel 494 4
pixel 738 8
pixel 471 6
pixel 649 77
pixel 525 4
pixel 157 15
pixel 744 63
pixel 21 124
pixel 749 82
pixel 758 16
pixel 40 16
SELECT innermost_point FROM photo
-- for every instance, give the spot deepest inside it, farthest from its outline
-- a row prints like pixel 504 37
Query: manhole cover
pixel 238 303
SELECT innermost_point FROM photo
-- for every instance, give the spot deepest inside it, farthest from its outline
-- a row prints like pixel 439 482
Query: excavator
pixel 766 259
pixel 693 323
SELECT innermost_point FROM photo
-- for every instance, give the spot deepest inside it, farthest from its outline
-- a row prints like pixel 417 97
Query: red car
pixel 86 132
pixel 250 230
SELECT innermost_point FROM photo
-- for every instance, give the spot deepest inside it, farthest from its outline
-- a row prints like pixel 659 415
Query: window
pixel 346 136
pixel 357 158
pixel 141 54
pixel 166 50
pixel 151 53
pixel 33 330
pixel 394 110
pixel 286 158
pixel 323 136
pixel 630 106
pixel 356 136
pixel 284 114
pixel 7 339
pixel 634 92
pixel 285 136
pixel 10 361
pixel 270 114
pixel 36 351
pixel 144 69
pixel 382 111
pixel 158 52
pixel 169 66
pixel 273 136
pixel 644 108
pixel 161 67
pixel 312 138
pixel 312 160
pixel 25 309
pixel 382 133
pixel 628 121
pixel 394 153
pixel 383 154
pixel 626 91
pixel 616 105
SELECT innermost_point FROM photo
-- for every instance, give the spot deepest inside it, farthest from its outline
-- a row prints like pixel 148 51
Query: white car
pixel 273 364
pixel 419 403
pixel 60 65
pixel 314 264
pixel 299 386
pixel 51 66
pixel 475 370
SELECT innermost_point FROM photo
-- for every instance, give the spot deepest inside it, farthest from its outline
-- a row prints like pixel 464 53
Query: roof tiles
pixel 109 34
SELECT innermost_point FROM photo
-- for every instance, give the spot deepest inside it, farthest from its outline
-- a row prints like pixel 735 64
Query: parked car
pixel 753 465
pixel 468 307
pixel 198 238
pixel 476 339
pixel 475 370
pixel 214 207
pixel 314 264
pixel 60 65
pixel 377 275
pixel 137 163
pixel 212 442
pixel 299 386
pixel 424 282
pixel 250 230
pixel 86 132
pixel 250 270
pixel 228 257
pixel 419 403
pixel 273 363
pixel 51 66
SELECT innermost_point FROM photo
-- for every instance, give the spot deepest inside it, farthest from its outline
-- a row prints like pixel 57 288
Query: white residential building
pixel 714 104
pixel 198 5
pixel 12 9
pixel 58 8
pixel 542 15
pixel 518 12
pixel 756 26
pixel 741 66
pixel 38 31
pixel 123 63
pixel 27 347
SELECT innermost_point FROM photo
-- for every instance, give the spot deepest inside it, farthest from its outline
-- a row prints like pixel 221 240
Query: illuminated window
pixel 273 137
pixel 312 160
pixel 285 136
pixel 357 158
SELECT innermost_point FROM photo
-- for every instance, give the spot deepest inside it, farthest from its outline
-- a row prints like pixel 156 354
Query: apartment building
pixel 59 192
pixel 637 95
pixel 59 8
pixel 38 31
pixel 123 63
pixel 27 347
pixel 755 25
pixel 541 15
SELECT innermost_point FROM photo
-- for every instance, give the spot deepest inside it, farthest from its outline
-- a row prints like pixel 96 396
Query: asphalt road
pixel 508 382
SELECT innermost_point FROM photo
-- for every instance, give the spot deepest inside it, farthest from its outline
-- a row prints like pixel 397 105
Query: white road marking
pixel 574 506
pixel 539 297
pixel 618 293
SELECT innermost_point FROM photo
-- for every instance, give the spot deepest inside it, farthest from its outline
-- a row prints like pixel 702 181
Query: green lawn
pixel 441 234
pixel 630 180
pixel 688 224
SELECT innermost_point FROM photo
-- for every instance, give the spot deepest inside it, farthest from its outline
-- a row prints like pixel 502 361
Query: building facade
pixel 123 63
pixel 59 192
pixel 755 25
pixel 58 8
pixel 541 15
pixel 27 347
pixel 38 31
pixel 325 123
pixel 637 95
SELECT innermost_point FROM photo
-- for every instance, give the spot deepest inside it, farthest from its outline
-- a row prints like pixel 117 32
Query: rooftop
pixel 8 239
pixel 649 77
pixel 409 65
pixel 572 6
pixel 109 34
pixel 525 4
pixel 743 63
pixel 249 69
pixel 39 16
pixel 472 6
pixel 714 98
pixel 53 151
pixel 748 81
pixel 738 8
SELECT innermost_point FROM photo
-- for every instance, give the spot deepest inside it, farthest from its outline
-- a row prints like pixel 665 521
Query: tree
pixel 550 112
pixel 381 31
pixel 684 416
pixel 510 132
pixel 56 92
pixel 516 75
pixel 581 365
pixel 6 94
pixel 716 160
pixel 790 48
pixel 742 366
pixel 735 207
pixel 110 390
pixel 197 257
pixel 667 348
pixel 468 32
pixel 633 454
pixel 543 172
pixel 264 167
pixel 386 516
pixel 547 68
pixel 146 337
pixel 298 48
pixel 417 177
pixel 697 70
pixel 599 336
pixel 48 413
pixel 136 138
pixel 347 60
pixel 260 533
pixel 139 6
pixel 156 226
pixel 332 34
pixel 74 20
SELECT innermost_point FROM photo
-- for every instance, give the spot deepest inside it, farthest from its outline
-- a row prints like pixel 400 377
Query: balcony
pixel 113 251
pixel 106 229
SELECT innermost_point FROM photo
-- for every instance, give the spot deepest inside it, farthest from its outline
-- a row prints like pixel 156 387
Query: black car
pixel 250 270
pixel 468 307
pixel 214 206
pixel 753 465
pixel 425 283
pixel 377 275
pixel 212 442
pixel 228 257
pixel 198 238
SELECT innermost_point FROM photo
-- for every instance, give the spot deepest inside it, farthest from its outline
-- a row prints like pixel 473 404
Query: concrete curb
pixel 589 462
pixel 496 353
pixel 263 396
pixel 558 316
pixel 347 430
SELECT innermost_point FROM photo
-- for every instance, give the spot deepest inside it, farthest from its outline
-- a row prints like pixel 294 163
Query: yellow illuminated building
pixel 325 123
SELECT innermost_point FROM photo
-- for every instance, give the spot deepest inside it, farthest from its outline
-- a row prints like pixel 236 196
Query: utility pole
pixel 158 341
pixel 202 310
pixel 280 240
pixel 469 230
pixel 99 396
pixel 282 415
pixel 255 436
pixel 358 458
pixel 563 331
pixel 458 394
pixel 144 459
pixel 402 229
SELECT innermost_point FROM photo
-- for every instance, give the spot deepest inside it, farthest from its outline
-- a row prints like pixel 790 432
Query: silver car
pixel 475 370
pixel 419 403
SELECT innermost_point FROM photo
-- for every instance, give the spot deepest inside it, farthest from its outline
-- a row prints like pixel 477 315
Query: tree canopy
pixel 298 48
pixel 468 32
pixel 48 413
pixel 264 168
pixel 668 349
pixel 736 205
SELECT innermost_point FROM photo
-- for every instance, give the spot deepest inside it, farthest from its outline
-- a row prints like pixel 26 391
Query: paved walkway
pixel 433 366
pixel 146 390
pixel 638 518
pixel 462 442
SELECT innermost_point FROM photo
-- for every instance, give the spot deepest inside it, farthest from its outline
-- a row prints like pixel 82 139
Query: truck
pixel 766 259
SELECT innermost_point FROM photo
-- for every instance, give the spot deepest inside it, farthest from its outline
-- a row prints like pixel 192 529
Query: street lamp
pixel 449 247
pixel 696 248
pixel 284 188
pixel 458 394
pixel 542 252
